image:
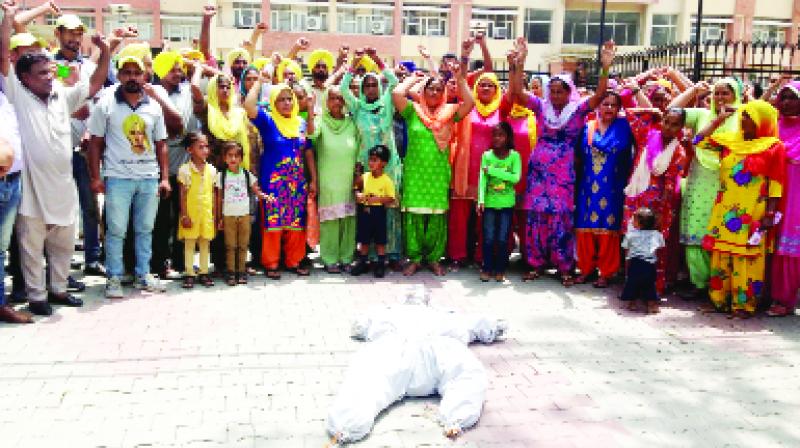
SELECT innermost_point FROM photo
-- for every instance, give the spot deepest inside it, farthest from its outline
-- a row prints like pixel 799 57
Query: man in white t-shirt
pixel 129 133
pixel 46 221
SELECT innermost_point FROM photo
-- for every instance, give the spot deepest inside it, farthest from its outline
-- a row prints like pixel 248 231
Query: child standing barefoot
pixel 196 178
pixel 500 171
pixel 641 244
pixel 377 194
pixel 236 188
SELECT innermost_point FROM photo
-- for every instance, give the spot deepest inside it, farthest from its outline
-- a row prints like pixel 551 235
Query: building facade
pixel 555 29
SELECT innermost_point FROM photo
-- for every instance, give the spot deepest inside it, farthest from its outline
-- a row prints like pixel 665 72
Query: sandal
pixel 230 279
pixel 333 269
pixel 411 269
pixel 437 269
pixel 601 282
pixel 530 276
pixel 567 280
pixel 581 279
pixel 301 271
pixel 484 276
pixel 708 308
pixel 205 280
pixel 778 310
pixel 500 278
pixel 632 306
pixel 653 308
pixel 188 282
pixel 273 274
pixel 242 280
pixel 740 315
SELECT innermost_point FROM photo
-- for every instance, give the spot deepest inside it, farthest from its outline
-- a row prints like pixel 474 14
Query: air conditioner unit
pixel 378 27
pixel 313 23
pixel 478 25
pixel 247 21
pixel 119 8
pixel 500 33
pixel 713 33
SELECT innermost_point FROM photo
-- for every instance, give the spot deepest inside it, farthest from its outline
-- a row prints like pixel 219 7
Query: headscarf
pixel 438 120
pixel 566 78
pixel 288 64
pixel 232 127
pixel 557 120
pixel 165 61
pixel 789 127
pixel 237 53
pixel 289 127
pixel 486 109
pixel 386 113
pixel 242 88
pixel 764 155
pixel 706 156
pixel 335 125
pixel 410 66
pixel 321 55
pixel 520 111
pixel 653 161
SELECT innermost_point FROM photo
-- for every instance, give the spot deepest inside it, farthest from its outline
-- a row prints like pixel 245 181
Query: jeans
pixel 91 227
pixel 496 228
pixel 121 194
pixel 10 194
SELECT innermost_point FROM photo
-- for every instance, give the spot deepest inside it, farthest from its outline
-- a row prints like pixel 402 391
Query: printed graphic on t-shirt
pixel 235 189
pixel 135 129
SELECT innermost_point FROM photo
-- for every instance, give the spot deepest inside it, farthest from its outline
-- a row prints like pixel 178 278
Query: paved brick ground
pixel 258 366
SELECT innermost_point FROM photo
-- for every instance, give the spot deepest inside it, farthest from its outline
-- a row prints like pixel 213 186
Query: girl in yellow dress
pixel 196 178
pixel 751 183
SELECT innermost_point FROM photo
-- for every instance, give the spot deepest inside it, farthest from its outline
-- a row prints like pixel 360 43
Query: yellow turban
pixel 236 53
pixel 368 64
pixel 165 61
pixel 288 64
pixel 192 54
pixel 260 63
pixel 139 50
pixel 321 55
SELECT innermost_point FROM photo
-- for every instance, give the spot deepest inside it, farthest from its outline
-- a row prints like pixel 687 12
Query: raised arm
pixel 10 9
pixel 23 18
pixel 488 66
pixel 103 64
pixel 400 93
pixel 606 60
pixel 686 98
pixel 205 30
pixel 198 100
pixel 251 100
pixel 464 92
pixel 426 56
pixel 301 45
pixel 255 36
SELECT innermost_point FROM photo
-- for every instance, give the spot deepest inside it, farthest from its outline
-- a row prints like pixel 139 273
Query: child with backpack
pixel 237 189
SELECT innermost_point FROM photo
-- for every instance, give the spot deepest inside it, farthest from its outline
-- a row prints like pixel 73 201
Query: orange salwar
pixel 293 243
pixel 598 250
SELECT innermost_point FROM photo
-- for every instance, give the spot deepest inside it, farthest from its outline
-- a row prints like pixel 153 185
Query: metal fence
pixel 751 61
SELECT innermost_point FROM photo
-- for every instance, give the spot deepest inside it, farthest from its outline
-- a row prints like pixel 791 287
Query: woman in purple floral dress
pixel 550 192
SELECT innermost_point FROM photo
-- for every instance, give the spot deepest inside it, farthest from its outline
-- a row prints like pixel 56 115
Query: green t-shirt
pixel 498 178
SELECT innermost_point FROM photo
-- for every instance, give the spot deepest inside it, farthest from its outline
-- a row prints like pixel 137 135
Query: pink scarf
pixel 789 128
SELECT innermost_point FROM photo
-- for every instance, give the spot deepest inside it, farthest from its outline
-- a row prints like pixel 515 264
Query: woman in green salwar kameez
pixel 702 184
pixel 373 114
pixel 426 169
pixel 336 143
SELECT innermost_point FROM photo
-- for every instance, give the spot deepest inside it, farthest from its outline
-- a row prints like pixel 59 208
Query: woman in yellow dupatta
pixel 426 168
pixel 281 177
pixel 739 232
pixel 227 120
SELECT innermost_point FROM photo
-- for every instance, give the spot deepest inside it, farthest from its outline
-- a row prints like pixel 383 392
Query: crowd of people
pixel 652 179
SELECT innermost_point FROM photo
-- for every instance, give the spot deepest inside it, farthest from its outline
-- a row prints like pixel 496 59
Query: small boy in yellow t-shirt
pixel 375 196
